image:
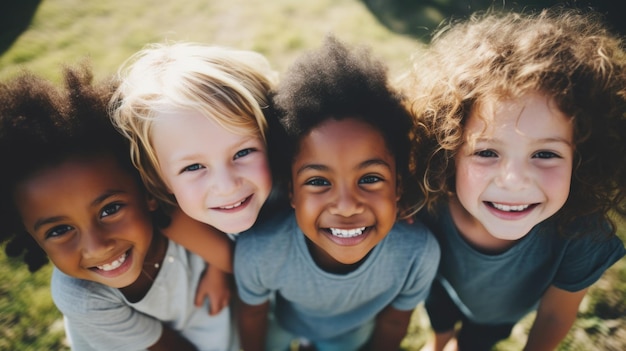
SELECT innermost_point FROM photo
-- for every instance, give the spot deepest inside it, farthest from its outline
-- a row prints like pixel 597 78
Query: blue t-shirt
pixel 273 258
pixel 503 288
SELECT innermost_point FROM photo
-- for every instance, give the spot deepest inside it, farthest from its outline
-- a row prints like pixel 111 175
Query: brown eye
pixel 110 210
pixel 58 231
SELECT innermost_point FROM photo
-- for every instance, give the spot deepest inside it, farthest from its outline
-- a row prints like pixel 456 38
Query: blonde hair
pixel 228 85
pixel 568 56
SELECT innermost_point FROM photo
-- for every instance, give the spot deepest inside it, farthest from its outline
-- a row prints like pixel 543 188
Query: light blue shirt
pixel 98 317
pixel 273 258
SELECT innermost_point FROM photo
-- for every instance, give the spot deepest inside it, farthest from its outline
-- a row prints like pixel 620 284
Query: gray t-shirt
pixel 98 317
pixel 273 258
pixel 503 288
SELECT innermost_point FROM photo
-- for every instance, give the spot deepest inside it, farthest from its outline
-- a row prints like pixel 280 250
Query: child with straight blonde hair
pixel 195 116
pixel 526 115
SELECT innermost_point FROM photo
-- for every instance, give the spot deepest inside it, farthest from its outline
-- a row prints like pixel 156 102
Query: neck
pixel 474 233
pixel 327 263
pixel 150 268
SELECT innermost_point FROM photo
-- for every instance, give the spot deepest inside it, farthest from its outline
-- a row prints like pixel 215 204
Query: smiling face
pixel 514 170
pixel 344 190
pixel 218 177
pixel 90 217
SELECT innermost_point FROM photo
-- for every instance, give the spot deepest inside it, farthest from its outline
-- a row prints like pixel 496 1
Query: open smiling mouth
pixel 509 208
pixel 347 233
pixel 236 204
pixel 113 264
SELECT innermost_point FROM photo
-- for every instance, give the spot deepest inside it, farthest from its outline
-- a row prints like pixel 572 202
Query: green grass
pixel 63 31
pixel 66 31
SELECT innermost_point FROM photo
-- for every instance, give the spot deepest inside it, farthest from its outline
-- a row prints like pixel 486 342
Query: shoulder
pixel 261 242
pixel 268 229
pixel 413 243
pixel 72 295
pixel 415 235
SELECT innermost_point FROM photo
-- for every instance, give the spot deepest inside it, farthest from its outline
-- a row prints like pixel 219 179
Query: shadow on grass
pixel 418 19
pixel 15 16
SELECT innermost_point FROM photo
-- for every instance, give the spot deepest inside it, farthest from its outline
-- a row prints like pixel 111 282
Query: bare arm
pixel 391 327
pixel 215 285
pixel 202 239
pixel 556 314
pixel 253 325
pixel 171 340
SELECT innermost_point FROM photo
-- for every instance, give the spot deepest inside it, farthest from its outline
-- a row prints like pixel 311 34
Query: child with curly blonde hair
pixel 526 117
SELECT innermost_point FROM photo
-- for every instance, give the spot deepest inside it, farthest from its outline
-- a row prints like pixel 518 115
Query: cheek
pixel 468 178
pixel 557 184
pixel 264 175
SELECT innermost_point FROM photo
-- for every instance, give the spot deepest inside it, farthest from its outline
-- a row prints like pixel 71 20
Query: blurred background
pixel 44 35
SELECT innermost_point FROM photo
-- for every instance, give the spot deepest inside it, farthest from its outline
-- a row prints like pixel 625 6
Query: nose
pixel 347 202
pixel 514 175
pixel 95 243
pixel 223 181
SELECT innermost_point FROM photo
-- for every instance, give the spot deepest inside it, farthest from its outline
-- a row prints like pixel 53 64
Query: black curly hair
pixel 41 125
pixel 336 82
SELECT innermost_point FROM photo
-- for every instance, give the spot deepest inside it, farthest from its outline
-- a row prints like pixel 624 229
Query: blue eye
pixel 242 153
pixel 110 210
pixel 317 182
pixel 546 155
pixel 58 231
pixel 370 179
pixel 193 167
pixel 485 153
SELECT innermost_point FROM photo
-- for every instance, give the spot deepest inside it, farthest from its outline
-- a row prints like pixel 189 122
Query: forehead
pixel 76 178
pixel 346 138
pixel 532 114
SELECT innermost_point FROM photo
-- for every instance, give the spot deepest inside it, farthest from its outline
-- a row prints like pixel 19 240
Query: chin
pixel 234 228
pixel 511 237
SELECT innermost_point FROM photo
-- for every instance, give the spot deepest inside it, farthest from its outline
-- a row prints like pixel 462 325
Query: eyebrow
pixel 540 140
pixel 362 165
pixel 97 201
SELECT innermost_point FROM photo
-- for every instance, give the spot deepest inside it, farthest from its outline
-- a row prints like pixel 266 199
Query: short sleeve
pixel 421 275
pixel 247 271
pixel 96 316
pixel 585 260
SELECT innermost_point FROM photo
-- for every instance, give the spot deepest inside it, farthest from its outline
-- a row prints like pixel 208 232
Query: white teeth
pixel 233 205
pixel 113 265
pixel 347 233
pixel 508 208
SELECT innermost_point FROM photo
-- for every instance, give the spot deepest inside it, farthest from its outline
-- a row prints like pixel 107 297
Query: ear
pixel 290 187
pixel 398 188
pixel 152 203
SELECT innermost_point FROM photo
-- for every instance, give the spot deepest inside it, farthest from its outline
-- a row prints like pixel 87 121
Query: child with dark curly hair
pixel 338 269
pixel 69 191
pixel 526 115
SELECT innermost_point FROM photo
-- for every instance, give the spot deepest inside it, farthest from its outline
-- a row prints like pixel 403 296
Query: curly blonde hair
pixel 228 85
pixel 568 56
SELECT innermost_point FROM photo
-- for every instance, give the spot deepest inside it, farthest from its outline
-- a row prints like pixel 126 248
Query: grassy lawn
pixel 107 32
